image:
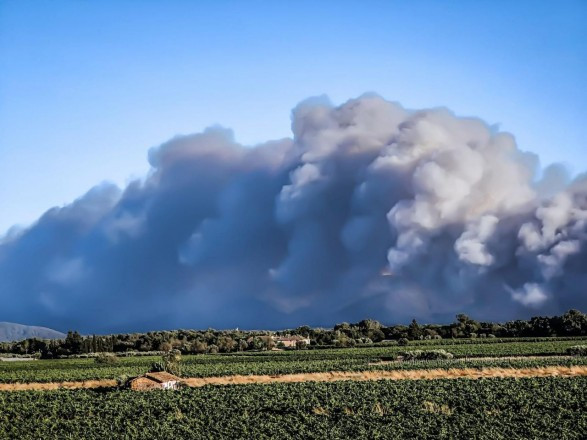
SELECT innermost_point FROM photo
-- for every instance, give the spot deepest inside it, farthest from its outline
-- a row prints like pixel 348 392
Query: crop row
pixel 548 347
pixel 68 370
pixel 485 409
pixel 350 359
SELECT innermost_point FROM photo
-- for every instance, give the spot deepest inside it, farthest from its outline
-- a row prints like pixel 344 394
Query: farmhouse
pixel 160 380
pixel 291 341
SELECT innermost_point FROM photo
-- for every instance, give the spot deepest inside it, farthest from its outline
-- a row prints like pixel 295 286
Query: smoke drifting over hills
pixel 370 210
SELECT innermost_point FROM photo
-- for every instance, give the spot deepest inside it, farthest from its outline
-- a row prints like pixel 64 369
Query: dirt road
pixel 38 386
pixel 332 376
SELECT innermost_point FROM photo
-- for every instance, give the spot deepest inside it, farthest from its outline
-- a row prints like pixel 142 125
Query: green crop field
pixel 349 359
pixel 302 361
pixel 538 408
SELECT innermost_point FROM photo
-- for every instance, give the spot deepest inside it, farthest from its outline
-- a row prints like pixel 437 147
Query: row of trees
pixel 186 341
pixel 572 323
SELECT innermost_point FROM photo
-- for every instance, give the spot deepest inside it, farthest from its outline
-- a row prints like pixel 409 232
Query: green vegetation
pixel 425 355
pixel 577 350
pixel 170 362
pixel 300 361
pixel 483 409
pixel 106 358
pixel 364 333
pixel 458 408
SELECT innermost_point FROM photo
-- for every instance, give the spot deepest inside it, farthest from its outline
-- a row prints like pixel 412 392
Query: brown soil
pixel 56 385
pixel 454 373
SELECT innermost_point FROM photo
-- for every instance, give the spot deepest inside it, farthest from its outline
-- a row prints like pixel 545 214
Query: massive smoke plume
pixel 370 210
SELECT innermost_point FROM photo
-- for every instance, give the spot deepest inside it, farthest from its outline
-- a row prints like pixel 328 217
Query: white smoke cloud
pixel 370 210
pixel 530 295
pixel 471 245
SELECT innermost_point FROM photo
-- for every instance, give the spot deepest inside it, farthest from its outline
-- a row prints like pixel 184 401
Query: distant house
pixel 290 341
pixel 160 380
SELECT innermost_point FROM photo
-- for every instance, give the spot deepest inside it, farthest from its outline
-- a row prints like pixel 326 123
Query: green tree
pixel 165 346
pixel 414 330
pixel 200 347
pixel 300 345
pixel 73 342
pixel 170 362
pixel 574 323
pixel 226 344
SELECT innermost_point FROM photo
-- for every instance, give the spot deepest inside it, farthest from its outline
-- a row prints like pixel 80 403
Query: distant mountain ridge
pixel 10 331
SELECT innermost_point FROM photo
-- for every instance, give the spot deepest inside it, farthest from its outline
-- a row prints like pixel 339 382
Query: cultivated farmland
pixel 541 408
pixel 488 388
pixel 518 354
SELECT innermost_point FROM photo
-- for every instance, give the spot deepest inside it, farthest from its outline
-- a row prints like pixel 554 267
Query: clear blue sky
pixel 86 87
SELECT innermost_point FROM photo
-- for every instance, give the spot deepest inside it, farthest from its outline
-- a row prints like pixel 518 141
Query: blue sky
pixel 87 87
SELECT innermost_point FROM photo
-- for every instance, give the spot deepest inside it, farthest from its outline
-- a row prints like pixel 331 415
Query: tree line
pixel 366 332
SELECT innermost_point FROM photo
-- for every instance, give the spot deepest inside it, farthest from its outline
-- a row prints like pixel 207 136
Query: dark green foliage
pixel 157 366
pixel 577 350
pixel 403 342
pixel 425 355
pixel 73 342
pixel 414 330
pixel 540 408
pixel 170 362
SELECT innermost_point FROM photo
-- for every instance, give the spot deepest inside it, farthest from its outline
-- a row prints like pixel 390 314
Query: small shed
pixel 160 380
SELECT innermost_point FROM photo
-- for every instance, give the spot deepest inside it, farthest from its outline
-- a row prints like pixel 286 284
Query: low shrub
pixel 157 366
pixel 106 358
pixel 123 381
pixel 577 350
pixel 403 342
pixel 425 355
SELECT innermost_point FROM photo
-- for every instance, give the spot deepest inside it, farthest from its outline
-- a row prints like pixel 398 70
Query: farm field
pixel 491 389
pixel 462 371
pixel 538 408
pixel 517 354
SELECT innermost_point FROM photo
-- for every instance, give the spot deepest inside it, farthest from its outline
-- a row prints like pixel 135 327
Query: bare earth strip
pixel 38 386
pixel 453 373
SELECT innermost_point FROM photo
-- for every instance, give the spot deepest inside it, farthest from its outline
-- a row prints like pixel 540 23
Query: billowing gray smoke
pixel 370 211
